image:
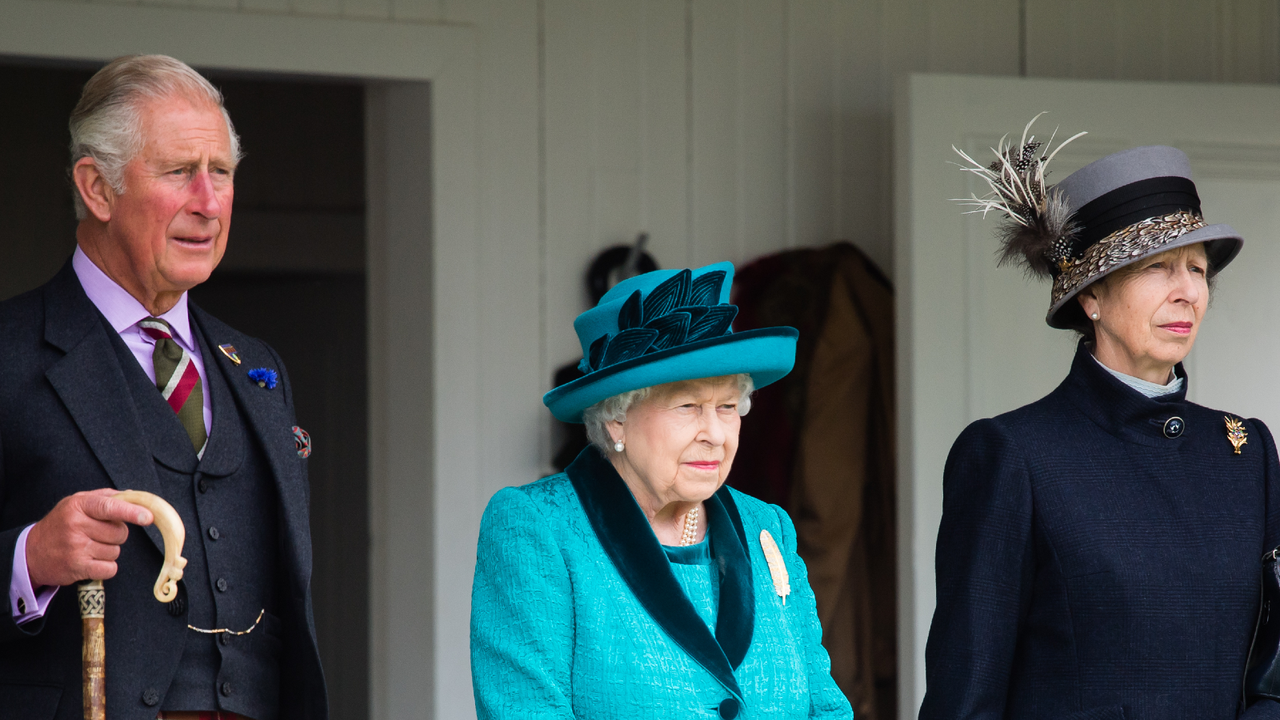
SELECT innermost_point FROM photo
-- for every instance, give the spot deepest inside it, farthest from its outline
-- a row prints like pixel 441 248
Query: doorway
pixel 294 275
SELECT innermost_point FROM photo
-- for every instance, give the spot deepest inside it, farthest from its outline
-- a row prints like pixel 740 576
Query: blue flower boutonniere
pixel 264 377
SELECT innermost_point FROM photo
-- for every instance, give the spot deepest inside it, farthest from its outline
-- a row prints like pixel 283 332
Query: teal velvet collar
pixel 627 538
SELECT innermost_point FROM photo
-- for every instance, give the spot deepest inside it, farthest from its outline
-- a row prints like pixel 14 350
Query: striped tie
pixel 178 380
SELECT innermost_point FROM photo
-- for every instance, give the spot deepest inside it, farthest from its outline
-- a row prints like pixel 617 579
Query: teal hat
pixel 666 326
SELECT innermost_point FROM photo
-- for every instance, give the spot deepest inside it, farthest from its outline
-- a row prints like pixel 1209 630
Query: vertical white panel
pixel 664 142
pixel 1097 37
pixel 1048 38
pixel 973 37
pixel 378 311
pixel 863 203
pixel 217 4
pixel 903 38
pixel 615 41
pixel 568 180
pixel 715 72
pixel 1249 41
pixel 615 112
pixel 417 9
pixel 316 7
pixel 1190 39
pixel 380 9
pixel 1184 40
pixel 273 6
pixel 1224 374
pixel 810 76
pixel 1142 49
pixel 457 411
pixel 510 250
pixel 400 386
pixel 762 129
pixel 861 213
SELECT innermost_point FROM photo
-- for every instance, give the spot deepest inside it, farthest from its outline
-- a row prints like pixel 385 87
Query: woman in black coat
pixel 1099 549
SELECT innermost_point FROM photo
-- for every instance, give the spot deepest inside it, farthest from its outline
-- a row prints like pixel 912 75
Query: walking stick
pixel 93 598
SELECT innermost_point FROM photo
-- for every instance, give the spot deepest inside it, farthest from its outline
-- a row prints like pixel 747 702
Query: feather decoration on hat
pixel 1036 230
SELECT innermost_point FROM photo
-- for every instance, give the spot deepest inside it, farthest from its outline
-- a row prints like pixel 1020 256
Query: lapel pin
pixel 265 377
pixel 1236 434
pixel 230 352
pixel 777 566
pixel 302 440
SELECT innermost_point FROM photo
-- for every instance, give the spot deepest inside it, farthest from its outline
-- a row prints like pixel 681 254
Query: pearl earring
pixel 1094 316
pixel 619 446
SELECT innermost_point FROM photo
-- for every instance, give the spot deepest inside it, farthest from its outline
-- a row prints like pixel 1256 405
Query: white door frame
pixel 423 294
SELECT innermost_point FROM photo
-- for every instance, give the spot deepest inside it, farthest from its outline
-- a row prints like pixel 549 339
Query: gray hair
pixel 598 416
pixel 107 125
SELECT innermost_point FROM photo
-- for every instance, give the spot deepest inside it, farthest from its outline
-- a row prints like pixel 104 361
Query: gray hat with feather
pixel 1111 213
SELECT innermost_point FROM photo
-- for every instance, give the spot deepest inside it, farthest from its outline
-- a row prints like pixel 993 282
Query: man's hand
pixel 80 538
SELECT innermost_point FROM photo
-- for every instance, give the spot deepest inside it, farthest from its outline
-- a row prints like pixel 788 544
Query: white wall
pixel 728 129
pixel 724 128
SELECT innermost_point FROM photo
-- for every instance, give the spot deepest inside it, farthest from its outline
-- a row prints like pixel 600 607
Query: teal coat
pixel 576 611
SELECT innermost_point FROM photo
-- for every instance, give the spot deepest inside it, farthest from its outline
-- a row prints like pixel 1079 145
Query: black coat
pixel 1089 566
pixel 62 430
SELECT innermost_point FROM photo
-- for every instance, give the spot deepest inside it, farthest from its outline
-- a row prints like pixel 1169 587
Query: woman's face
pixel 1149 313
pixel 680 441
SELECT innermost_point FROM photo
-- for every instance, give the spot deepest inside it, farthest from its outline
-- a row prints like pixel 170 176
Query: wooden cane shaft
pixel 94 651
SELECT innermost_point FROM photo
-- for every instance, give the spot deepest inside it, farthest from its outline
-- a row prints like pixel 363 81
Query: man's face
pixel 169 229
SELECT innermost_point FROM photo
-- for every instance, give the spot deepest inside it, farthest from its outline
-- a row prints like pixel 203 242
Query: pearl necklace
pixel 690 527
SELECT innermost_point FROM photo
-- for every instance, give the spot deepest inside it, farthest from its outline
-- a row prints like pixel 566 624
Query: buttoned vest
pixel 228 502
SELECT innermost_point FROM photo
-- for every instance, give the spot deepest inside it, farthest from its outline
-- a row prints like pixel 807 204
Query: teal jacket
pixel 576 611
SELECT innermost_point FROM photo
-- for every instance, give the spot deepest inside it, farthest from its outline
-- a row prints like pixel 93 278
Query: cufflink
pixel 22 605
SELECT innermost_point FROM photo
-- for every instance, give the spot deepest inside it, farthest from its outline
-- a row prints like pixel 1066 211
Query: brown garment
pixel 821 444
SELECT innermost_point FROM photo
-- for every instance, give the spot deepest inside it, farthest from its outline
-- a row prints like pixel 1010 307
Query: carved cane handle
pixel 170 526
pixel 93 599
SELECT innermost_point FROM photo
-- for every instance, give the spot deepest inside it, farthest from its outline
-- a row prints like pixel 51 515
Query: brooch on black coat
pixel 1236 434
pixel 230 352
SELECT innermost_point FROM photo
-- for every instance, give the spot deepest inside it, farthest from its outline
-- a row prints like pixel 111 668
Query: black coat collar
pixel 1118 408
pixel 627 538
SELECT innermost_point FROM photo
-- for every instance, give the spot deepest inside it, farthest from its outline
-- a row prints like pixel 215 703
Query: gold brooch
pixel 230 352
pixel 1236 434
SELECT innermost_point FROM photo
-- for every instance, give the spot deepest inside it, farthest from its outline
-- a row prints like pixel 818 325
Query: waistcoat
pixel 228 503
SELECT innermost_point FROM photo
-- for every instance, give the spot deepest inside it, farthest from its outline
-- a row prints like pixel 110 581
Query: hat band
pixel 1123 247
pixel 1128 205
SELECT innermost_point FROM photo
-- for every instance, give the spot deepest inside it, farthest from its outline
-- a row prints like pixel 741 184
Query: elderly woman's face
pixel 681 439
pixel 1151 311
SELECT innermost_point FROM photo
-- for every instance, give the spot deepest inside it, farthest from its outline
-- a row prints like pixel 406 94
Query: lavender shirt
pixel 124 313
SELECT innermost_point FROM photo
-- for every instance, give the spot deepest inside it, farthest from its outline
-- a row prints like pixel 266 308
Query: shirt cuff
pixel 25 602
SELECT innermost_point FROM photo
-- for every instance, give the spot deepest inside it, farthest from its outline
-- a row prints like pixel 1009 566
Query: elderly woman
pixel 636 584
pixel 1099 549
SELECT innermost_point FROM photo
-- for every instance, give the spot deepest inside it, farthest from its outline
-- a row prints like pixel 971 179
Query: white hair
pixel 107 124
pixel 598 416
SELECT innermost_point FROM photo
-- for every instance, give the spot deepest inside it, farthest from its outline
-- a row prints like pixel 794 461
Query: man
pixel 110 380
